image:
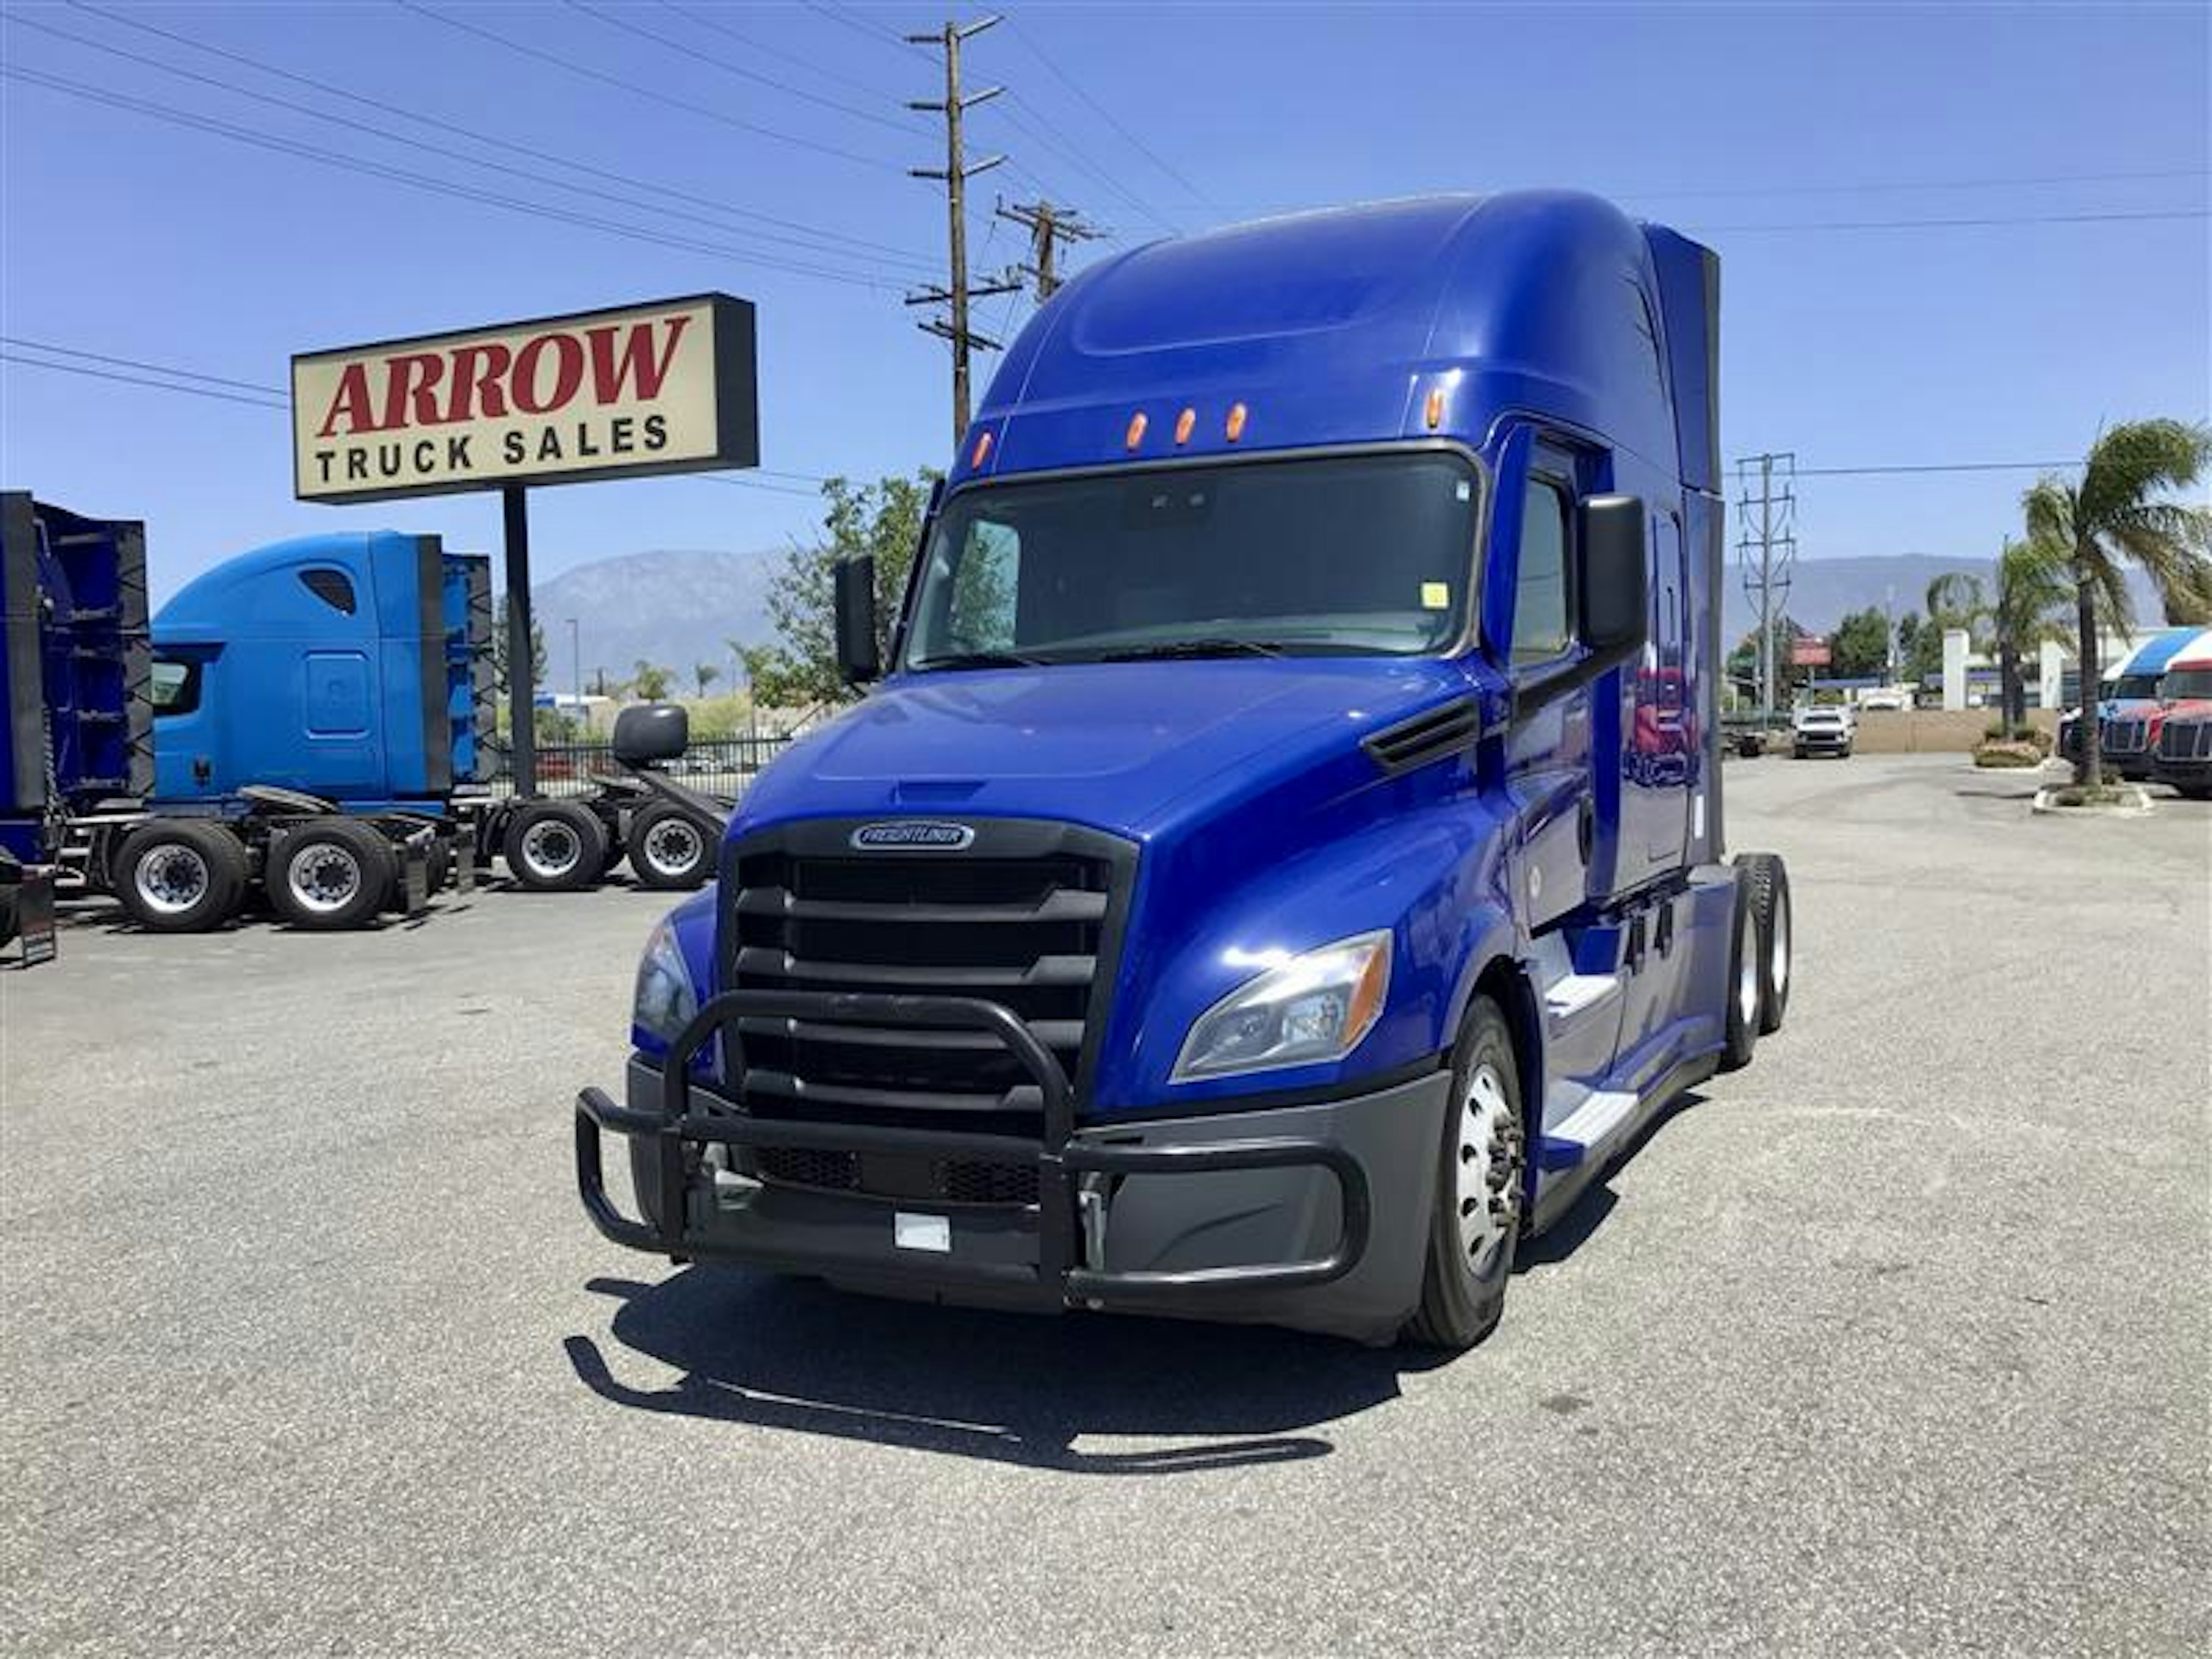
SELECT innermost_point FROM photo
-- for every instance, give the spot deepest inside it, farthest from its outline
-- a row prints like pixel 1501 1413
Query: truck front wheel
pixel 556 845
pixel 1769 908
pixel 1740 1027
pixel 330 873
pixel 181 875
pixel 1474 1222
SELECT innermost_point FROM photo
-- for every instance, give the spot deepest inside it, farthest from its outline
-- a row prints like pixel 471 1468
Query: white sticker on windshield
pixel 1436 596
pixel 1465 490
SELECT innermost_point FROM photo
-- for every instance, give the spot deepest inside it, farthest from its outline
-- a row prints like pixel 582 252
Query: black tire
pixel 180 875
pixel 11 877
pixel 555 846
pixel 1770 906
pixel 1463 1284
pixel 668 848
pixel 1742 997
pixel 438 866
pixel 330 874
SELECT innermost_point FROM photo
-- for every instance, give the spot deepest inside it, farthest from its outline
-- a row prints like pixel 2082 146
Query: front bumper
pixel 1821 742
pixel 1268 1215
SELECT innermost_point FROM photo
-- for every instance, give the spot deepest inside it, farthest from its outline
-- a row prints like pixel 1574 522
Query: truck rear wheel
pixel 1770 906
pixel 330 873
pixel 1475 1222
pixel 667 848
pixel 180 875
pixel 556 845
pixel 1744 1002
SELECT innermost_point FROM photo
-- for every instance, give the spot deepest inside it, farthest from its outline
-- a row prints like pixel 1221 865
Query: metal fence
pixel 720 766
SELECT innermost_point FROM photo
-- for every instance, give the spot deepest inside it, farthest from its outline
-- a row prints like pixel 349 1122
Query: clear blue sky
pixel 133 237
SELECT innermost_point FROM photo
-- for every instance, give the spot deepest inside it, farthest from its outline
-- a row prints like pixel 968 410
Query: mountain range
pixel 678 608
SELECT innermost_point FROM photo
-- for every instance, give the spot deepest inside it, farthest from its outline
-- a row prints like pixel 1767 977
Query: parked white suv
pixel 1822 731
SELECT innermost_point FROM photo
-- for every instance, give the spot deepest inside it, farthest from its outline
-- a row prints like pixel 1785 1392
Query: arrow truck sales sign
pixel 606 394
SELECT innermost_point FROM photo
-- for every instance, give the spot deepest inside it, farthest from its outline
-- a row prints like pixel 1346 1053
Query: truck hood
pixel 1121 746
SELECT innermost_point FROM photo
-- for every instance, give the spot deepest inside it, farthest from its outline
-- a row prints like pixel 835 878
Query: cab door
pixel 1528 611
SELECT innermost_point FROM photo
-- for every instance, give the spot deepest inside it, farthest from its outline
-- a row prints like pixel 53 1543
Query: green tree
pixel 1860 645
pixel 650 682
pixel 2030 591
pixel 883 520
pixel 2114 516
pixel 1743 662
pixel 538 670
pixel 705 674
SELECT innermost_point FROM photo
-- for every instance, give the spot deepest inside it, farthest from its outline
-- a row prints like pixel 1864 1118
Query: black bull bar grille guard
pixel 1059 1158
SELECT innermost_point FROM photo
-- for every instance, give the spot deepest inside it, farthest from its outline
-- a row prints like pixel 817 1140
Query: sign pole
pixel 521 691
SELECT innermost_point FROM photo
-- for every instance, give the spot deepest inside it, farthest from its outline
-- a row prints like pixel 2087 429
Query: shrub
pixel 1993 753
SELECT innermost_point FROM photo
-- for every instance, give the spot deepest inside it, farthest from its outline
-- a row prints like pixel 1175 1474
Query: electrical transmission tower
pixel 1766 546
pixel 958 293
pixel 1049 226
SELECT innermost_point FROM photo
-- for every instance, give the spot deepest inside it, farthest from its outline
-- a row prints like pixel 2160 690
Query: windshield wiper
pixel 1216 648
pixel 982 659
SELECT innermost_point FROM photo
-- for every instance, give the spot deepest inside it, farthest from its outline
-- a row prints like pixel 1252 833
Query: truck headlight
pixel 1313 1007
pixel 664 1001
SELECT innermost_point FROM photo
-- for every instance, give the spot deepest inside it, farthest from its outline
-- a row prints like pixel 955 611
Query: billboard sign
pixel 1808 653
pixel 667 387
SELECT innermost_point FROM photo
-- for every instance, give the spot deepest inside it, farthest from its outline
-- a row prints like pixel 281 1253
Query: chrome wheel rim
pixel 1487 1187
pixel 551 848
pixel 171 879
pixel 672 847
pixel 1746 980
pixel 1777 948
pixel 324 877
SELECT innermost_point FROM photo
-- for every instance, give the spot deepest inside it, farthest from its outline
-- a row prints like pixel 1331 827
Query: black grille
pixel 2123 737
pixel 2185 740
pixel 1022 918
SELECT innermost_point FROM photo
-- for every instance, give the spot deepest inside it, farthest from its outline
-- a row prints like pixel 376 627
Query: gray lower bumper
pixel 1190 1232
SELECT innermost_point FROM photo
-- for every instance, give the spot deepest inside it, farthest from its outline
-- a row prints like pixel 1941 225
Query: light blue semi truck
pixel 1245 895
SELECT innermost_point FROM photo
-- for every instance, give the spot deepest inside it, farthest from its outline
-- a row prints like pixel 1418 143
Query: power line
pixel 279 400
pixel 1042 134
pixel 649 93
pixel 738 70
pixel 1021 33
pixel 401 138
pixel 1948 466
pixel 797 59
pixel 816 232
pixel 881 36
pixel 1953 224
pixel 424 181
pixel 139 380
pixel 134 362
pixel 1918 184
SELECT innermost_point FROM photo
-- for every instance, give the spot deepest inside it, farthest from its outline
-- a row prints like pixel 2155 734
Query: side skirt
pixel 1556 1195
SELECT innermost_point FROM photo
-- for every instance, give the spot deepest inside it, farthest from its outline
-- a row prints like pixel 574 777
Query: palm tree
pixel 2031 588
pixel 2110 519
pixel 1957 599
pixel 705 674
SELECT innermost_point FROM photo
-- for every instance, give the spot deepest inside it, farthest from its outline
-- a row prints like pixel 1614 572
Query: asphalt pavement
pixel 1898 1341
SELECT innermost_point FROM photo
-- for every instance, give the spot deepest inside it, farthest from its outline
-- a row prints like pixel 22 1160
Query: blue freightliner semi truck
pixel 1244 896
pixel 293 724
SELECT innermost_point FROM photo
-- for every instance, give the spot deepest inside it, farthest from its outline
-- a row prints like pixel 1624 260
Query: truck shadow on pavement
pixel 795 1354
pixel 1005 1388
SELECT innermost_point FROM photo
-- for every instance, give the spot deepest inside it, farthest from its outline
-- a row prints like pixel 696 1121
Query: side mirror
pixel 651 732
pixel 858 659
pixel 1612 533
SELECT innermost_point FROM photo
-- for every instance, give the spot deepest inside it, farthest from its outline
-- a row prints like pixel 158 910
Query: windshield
pixel 1351 554
pixel 2132 688
pixel 2186 682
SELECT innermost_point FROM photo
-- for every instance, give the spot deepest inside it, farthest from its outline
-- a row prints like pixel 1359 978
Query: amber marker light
pixel 1436 407
pixel 982 449
pixel 1184 422
pixel 1135 435
pixel 1234 429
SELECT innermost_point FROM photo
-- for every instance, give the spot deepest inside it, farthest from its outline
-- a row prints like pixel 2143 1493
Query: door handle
pixel 1585 827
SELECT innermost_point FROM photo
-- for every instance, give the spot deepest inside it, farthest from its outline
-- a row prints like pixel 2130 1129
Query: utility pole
pixel 1049 226
pixel 1769 519
pixel 957 295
